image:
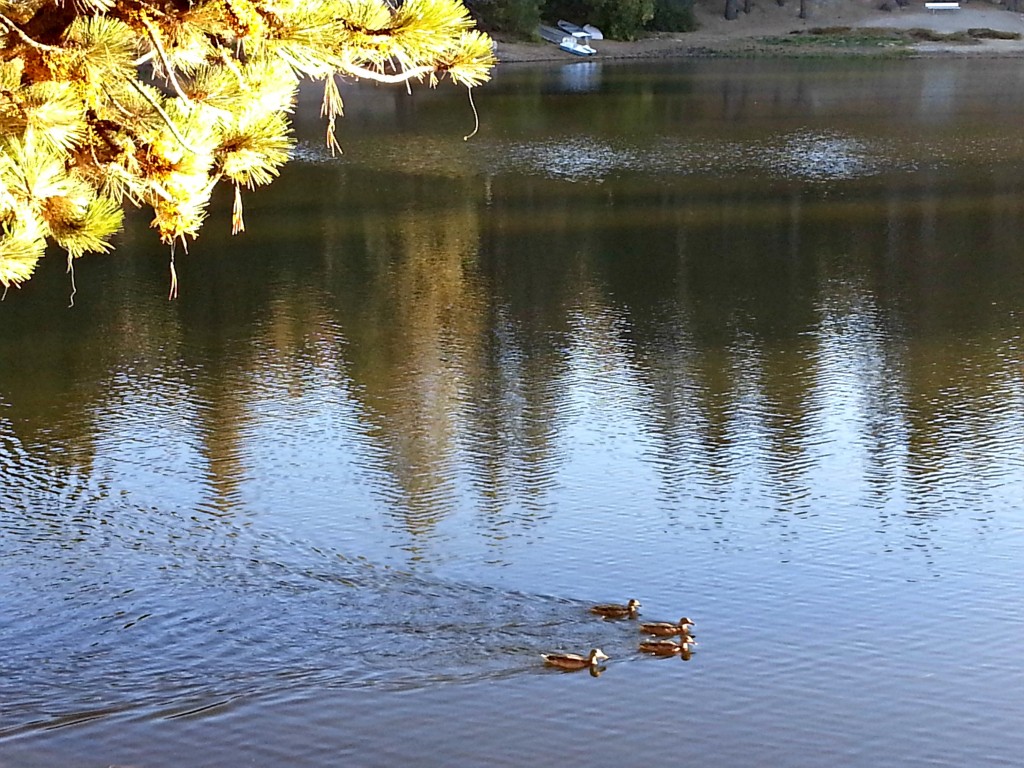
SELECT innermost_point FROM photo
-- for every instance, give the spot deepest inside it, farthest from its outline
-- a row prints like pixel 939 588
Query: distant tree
pixel 155 102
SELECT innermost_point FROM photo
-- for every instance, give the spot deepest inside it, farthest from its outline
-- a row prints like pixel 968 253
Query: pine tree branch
pixel 168 69
pixel 20 33
pixel 223 84
pixel 380 77
pixel 160 111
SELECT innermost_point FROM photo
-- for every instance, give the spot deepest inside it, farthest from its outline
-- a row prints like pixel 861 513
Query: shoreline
pixel 775 31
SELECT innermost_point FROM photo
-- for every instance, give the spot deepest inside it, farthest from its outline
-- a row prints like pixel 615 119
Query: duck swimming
pixel 668 647
pixel 667 628
pixel 615 611
pixel 574 660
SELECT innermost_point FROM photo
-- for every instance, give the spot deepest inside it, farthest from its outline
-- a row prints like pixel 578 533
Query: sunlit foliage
pixel 105 103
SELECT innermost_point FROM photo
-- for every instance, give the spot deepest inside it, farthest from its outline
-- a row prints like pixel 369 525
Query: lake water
pixel 741 339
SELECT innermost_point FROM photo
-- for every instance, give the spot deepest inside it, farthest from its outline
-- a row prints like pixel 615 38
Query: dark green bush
pixel 674 16
pixel 984 33
pixel 507 18
pixel 623 19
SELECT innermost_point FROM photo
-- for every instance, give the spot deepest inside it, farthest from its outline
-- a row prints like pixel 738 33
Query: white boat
pixel 578 44
pixel 589 29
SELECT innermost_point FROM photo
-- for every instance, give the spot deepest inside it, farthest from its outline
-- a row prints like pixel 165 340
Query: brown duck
pixel 667 628
pixel 668 647
pixel 574 660
pixel 616 611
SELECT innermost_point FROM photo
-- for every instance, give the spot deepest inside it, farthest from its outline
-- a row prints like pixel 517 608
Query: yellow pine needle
pixel 173 293
pixel 237 224
pixel 476 117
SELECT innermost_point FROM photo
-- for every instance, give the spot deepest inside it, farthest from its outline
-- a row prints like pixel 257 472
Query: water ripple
pixel 262 615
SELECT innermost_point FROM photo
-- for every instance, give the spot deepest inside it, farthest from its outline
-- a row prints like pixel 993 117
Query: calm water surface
pixel 741 339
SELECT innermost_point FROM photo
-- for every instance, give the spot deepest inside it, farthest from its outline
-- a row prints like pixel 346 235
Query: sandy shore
pixel 746 36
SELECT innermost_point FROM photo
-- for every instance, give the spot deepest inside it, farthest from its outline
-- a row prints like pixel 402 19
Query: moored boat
pixel 588 29
pixel 577 43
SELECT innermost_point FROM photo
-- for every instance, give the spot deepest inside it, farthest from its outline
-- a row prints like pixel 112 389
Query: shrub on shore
pixel 673 16
pixel 507 18
pixel 618 19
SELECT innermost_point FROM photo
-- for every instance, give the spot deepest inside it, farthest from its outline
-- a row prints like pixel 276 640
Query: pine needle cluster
pixel 154 102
